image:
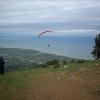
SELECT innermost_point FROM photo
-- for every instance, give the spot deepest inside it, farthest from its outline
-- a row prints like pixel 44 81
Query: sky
pixel 61 16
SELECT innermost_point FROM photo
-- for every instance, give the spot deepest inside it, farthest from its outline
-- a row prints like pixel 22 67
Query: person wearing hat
pixel 2 65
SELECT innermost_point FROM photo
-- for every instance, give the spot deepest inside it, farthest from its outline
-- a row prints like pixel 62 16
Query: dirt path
pixel 64 85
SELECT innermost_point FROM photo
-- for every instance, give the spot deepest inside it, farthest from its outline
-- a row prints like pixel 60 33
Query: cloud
pixel 78 31
pixel 29 15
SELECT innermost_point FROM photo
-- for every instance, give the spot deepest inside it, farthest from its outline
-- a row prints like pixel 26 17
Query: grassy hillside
pixel 74 82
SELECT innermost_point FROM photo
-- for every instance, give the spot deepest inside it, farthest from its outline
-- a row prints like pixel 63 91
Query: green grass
pixel 4 95
pixel 14 79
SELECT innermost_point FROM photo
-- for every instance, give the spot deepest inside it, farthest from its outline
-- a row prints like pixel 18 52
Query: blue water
pixel 71 46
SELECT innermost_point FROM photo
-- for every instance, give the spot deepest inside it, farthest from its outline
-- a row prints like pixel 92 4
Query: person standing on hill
pixel 2 65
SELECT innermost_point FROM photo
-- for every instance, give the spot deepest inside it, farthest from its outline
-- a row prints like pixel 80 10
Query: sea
pixel 74 46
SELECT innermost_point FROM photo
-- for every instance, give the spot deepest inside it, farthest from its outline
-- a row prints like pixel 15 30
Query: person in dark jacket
pixel 2 65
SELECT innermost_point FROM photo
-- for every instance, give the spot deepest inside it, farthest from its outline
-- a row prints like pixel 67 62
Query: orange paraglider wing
pixel 44 32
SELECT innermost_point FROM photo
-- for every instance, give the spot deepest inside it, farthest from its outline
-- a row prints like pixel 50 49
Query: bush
pixel 64 62
pixel 72 61
pixel 53 62
pixel 56 66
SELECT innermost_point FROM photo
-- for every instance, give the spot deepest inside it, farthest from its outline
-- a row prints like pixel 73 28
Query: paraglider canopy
pixel 45 32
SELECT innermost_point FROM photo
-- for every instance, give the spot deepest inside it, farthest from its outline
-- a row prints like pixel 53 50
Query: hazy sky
pixel 61 16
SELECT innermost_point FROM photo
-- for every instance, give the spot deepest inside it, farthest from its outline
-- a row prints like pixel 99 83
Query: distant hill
pixel 18 58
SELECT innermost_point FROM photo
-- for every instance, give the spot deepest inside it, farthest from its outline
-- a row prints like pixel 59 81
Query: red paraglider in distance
pixel 44 32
